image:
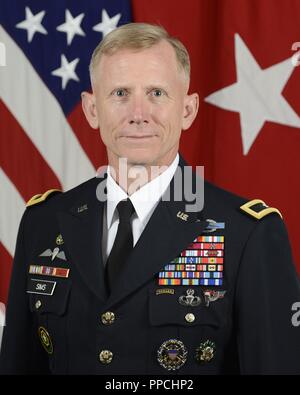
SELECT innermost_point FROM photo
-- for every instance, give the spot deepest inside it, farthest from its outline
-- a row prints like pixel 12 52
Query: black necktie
pixel 123 243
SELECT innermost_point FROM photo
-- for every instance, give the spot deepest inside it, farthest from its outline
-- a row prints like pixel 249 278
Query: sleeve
pixel 267 288
pixel 21 351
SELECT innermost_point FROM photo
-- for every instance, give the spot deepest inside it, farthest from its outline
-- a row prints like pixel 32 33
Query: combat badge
pixel 213 226
pixel 211 295
pixel 189 299
pixel 45 340
pixel 206 351
pixel 172 354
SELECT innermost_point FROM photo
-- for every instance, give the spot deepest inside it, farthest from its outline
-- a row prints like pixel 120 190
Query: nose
pixel 139 112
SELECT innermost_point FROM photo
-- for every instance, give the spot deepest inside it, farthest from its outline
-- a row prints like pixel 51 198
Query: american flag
pixel 45 140
pixel 247 134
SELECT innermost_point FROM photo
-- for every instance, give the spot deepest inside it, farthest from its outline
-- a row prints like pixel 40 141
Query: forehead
pixel 159 60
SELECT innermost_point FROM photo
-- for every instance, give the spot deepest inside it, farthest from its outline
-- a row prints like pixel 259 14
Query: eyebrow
pixel 148 87
pixel 157 86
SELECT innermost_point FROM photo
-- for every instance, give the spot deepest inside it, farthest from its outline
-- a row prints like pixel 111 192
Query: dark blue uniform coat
pixel 250 326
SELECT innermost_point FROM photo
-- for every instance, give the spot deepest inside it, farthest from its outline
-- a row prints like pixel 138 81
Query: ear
pixel 88 102
pixel 191 106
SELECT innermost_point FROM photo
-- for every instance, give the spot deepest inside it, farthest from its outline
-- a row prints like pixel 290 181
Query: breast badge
pixel 190 300
pixel 210 295
pixel 172 354
pixel 206 351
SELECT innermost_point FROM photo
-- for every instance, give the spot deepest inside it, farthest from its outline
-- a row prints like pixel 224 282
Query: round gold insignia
pixel 172 354
pixel 45 340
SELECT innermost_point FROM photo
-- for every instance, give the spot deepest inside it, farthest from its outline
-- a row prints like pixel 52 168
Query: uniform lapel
pixel 164 237
pixel 81 227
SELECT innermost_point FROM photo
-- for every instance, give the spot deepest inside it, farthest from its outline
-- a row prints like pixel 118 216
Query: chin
pixel 140 157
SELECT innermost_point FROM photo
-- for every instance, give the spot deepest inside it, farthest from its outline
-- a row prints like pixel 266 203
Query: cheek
pixel 110 117
pixel 164 115
pixel 171 118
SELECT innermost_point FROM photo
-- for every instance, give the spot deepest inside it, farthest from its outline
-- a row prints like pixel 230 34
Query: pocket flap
pixel 47 296
pixel 166 309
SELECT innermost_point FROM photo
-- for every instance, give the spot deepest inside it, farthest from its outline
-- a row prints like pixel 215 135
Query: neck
pixel 132 176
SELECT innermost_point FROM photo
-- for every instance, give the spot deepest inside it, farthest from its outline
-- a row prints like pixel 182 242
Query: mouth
pixel 139 137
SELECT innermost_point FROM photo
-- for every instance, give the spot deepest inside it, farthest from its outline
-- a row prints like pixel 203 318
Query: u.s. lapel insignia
pixel 172 354
pixel 213 226
pixel 200 264
pixel 210 295
pixel 189 299
pixel 182 216
pixel 55 253
pixel 82 208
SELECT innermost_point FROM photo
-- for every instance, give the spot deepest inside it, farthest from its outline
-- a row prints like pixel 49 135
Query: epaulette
pixel 41 197
pixel 258 209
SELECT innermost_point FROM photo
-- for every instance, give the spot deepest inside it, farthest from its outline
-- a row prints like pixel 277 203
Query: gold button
pixel 108 318
pixel 105 357
pixel 190 317
pixel 38 304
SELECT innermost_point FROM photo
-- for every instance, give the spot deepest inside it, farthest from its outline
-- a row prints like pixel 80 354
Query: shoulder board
pixel 258 209
pixel 41 197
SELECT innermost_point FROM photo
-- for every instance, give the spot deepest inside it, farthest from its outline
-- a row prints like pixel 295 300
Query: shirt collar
pixel 144 199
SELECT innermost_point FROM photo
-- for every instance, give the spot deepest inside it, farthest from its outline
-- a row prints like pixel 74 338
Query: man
pixel 120 277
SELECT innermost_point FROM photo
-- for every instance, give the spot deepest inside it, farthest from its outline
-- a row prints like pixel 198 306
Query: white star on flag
pixel 66 71
pixel 32 23
pixel 71 26
pixel 256 95
pixel 108 24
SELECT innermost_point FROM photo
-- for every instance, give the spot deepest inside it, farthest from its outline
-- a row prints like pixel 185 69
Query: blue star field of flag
pixel 58 38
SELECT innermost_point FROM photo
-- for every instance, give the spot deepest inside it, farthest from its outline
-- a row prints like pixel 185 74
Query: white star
pixel 71 26
pixel 66 71
pixel 32 23
pixel 256 95
pixel 108 24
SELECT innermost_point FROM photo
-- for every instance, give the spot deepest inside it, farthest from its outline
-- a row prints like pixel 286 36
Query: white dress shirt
pixel 144 202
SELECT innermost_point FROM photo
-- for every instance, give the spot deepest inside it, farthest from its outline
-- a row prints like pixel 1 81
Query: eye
pixel 120 92
pixel 157 92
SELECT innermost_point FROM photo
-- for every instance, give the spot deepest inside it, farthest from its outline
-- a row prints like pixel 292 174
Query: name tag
pixel 41 287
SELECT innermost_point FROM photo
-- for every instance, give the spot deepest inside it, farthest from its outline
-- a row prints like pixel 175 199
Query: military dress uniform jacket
pixel 61 320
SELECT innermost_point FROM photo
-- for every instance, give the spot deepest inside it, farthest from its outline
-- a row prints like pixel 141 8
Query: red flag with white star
pixel 247 133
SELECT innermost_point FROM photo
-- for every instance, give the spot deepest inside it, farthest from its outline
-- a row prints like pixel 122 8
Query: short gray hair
pixel 138 36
